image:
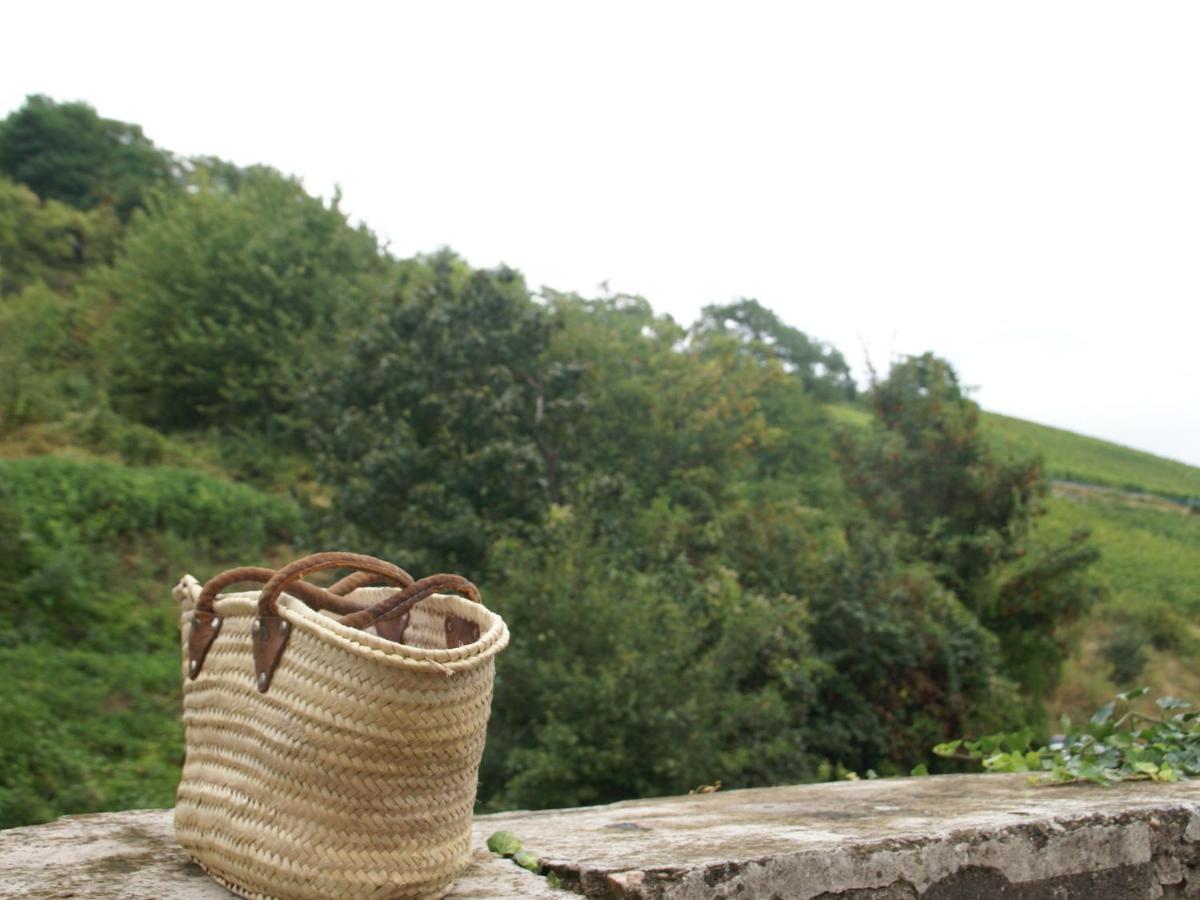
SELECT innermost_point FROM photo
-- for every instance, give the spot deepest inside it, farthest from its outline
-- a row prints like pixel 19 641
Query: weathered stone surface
pixel 942 838
pixel 133 856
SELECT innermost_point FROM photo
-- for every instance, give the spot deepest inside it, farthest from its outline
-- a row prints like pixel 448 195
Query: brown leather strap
pixel 271 632
pixel 317 562
pixel 400 603
pixel 355 580
pixel 331 598
pixel 205 623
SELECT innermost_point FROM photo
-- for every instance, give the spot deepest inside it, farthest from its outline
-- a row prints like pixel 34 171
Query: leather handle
pixel 402 602
pixel 317 562
pixel 355 580
pixel 331 598
pixel 271 632
pixel 205 623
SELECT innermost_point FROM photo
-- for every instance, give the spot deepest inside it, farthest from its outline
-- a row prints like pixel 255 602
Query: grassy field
pixel 1137 507
pixel 1145 631
pixel 1150 551
pixel 1074 457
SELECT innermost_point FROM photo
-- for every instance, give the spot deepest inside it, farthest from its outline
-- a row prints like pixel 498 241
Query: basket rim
pixel 493 635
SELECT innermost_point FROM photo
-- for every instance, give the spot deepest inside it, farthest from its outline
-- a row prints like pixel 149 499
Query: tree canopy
pixel 66 152
pixel 225 301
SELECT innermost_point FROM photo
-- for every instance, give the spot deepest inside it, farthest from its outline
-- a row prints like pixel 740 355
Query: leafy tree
pixel 66 152
pixel 926 474
pixel 624 681
pixel 667 415
pixel 819 366
pixel 47 241
pixel 227 302
pixel 44 357
pixel 908 664
pixel 437 420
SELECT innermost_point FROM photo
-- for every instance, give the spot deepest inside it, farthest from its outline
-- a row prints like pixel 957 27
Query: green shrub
pixel 86 731
pixel 68 501
pixel 622 682
pixel 227 300
pixel 89 658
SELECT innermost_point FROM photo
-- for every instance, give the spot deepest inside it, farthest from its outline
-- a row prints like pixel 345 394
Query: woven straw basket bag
pixel 333 735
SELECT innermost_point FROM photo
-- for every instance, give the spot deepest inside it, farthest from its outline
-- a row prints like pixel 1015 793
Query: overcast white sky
pixel 1014 185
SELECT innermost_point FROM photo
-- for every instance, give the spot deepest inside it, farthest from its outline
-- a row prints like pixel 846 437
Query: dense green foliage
pixel 44 241
pixel 1105 750
pixel 89 660
pixel 927 472
pixel 66 152
pixel 1148 570
pixel 226 301
pixel 96 501
pixel 428 428
pixel 708 576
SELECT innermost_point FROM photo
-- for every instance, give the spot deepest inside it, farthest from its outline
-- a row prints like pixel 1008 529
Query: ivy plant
pixel 1117 743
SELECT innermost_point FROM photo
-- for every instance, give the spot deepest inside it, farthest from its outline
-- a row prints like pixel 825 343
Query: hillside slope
pixel 1141 512
pixel 1087 460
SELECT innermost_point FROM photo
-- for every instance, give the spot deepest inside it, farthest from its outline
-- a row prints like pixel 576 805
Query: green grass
pixel 845 414
pixel 67 501
pixel 1150 567
pixel 86 731
pixel 1147 555
pixel 1074 457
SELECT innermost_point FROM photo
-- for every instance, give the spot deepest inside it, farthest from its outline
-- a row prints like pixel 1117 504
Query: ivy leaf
pixel 527 859
pixel 919 769
pixel 1104 713
pixel 505 843
pixel 1165 703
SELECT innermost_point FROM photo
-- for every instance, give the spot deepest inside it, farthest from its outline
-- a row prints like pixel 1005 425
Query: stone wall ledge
pixel 947 837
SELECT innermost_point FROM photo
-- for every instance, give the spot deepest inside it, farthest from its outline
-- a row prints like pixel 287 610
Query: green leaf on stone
pixel 919 769
pixel 553 880
pixel 527 859
pixel 504 843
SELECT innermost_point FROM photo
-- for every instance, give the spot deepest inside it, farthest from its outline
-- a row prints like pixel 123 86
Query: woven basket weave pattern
pixel 355 774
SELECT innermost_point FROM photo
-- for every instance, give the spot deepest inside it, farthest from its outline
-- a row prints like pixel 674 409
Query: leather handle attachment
pixel 273 631
pixel 206 623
